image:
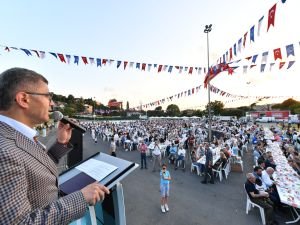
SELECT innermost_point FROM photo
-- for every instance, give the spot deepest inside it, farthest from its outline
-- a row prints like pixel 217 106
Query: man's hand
pixel 64 133
pixel 94 192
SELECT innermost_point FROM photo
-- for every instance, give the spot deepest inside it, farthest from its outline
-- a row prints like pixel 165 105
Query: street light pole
pixel 207 30
pixel 94 115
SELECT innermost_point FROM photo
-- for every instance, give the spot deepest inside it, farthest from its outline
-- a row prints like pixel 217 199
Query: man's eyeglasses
pixel 49 94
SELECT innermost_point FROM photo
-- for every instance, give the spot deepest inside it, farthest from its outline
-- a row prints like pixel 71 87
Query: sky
pixel 168 32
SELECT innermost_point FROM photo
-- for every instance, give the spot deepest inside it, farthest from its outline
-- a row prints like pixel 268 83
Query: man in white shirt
pixel 266 177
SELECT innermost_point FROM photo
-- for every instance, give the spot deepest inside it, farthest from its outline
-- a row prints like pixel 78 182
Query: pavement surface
pixel 190 202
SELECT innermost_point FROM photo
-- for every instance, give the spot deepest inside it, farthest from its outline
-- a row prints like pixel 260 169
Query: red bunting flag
pixel 281 64
pixel 125 64
pixel 271 19
pixel 230 71
pixel 61 57
pixel 248 58
pixel 191 70
pixel 84 59
pixel 230 54
pixel 245 37
pixel 144 66
pixel 159 68
pixel 277 54
pixel 104 61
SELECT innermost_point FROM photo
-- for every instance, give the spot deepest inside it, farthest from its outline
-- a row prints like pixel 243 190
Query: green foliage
pixel 127 105
pixel 288 103
pixel 151 113
pixel 233 112
pixel 216 107
pixel 158 108
pixel 69 111
pixel 70 99
pixel 172 110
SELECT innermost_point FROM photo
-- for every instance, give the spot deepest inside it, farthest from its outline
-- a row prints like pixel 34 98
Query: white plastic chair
pixel 218 171
pixel 226 169
pixel 197 168
pixel 250 205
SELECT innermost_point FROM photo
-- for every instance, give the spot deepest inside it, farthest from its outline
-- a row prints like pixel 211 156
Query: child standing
pixel 165 178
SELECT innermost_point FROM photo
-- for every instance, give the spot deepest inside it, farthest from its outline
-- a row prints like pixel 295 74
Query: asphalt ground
pixel 190 202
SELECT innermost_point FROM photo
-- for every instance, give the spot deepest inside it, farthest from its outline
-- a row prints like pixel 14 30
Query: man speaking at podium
pixel 28 174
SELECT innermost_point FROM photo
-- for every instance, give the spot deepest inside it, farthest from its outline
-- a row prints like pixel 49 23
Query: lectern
pixel 112 210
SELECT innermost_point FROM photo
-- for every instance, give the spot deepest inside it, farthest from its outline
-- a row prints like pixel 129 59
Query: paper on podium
pixel 96 169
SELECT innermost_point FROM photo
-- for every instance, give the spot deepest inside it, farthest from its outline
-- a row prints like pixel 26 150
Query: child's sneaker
pixel 167 207
pixel 163 209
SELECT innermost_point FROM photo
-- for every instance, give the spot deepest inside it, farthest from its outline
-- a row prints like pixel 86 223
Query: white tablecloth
pixel 288 180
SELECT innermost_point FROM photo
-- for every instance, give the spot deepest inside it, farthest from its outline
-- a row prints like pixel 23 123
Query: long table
pixel 216 157
pixel 288 181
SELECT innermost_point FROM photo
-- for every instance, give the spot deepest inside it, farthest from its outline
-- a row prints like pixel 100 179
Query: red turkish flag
pixel 230 54
pixel 271 18
pixel 191 70
pixel 159 68
pixel 144 66
pixel 104 61
pixel 84 59
pixel 277 54
pixel 230 71
pixel 281 64
pixel 245 37
pixel 61 57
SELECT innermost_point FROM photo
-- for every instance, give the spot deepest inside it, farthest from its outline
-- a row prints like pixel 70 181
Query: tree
pixel 233 112
pixel 217 107
pixel 127 105
pixel 70 99
pixel 80 105
pixel 172 110
pixel 158 108
pixel 288 103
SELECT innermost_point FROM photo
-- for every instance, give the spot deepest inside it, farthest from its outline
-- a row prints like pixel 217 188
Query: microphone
pixel 58 116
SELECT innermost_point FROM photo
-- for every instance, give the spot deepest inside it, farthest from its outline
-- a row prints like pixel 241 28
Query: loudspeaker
pixel 76 155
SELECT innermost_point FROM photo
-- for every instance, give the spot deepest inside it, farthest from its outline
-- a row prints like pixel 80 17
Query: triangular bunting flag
pixel 76 59
pixel 245 37
pixel 125 64
pixel 68 58
pixel 52 53
pixel 252 34
pixel 61 57
pixel 84 59
pixel 259 25
pixel 281 64
pixel 291 63
pixel 27 52
pixel 118 64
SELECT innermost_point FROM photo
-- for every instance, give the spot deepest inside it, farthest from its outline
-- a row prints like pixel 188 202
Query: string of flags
pixel 253 33
pixel 276 53
pixel 119 64
pixel 162 101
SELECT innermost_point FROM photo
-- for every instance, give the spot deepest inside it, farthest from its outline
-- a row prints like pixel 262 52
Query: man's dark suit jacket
pixel 28 183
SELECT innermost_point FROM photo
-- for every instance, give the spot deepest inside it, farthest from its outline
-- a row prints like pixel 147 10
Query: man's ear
pixel 22 100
